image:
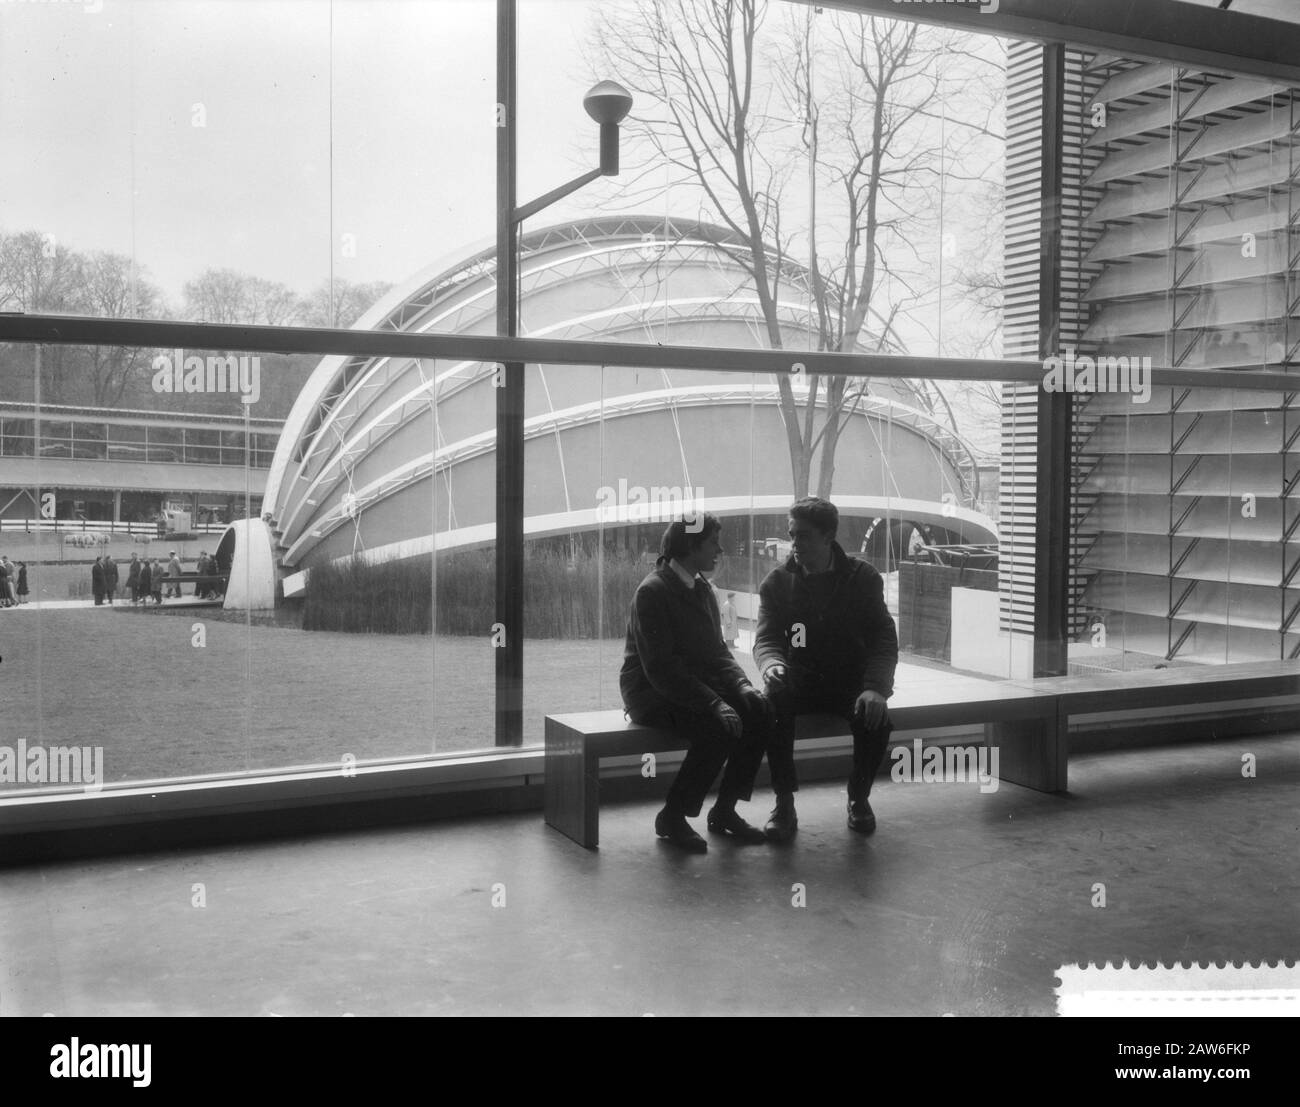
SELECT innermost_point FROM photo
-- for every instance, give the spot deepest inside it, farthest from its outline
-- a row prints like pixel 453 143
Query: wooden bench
pixel 1020 720
pixel 1027 719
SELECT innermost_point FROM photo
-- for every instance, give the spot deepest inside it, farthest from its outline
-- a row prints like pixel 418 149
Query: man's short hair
pixel 822 514
pixel 688 534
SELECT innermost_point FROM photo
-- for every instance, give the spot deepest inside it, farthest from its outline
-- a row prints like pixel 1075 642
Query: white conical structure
pixel 252 565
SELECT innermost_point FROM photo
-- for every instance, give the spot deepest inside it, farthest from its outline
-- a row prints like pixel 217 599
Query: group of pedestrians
pixel 144 579
pixel 824 642
pixel 149 578
pixel 13 583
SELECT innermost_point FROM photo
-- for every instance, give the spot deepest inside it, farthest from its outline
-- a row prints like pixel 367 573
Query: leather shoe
pixel 783 822
pixel 731 824
pixel 678 831
pixel 861 817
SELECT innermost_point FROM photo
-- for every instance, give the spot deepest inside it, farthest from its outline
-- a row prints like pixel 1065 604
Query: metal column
pixel 509 611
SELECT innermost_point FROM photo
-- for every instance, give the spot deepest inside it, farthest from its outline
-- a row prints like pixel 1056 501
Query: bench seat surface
pixel 1164 687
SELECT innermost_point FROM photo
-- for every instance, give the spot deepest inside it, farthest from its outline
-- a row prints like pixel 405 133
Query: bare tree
pixel 738 113
pixel 37 273
pixel 40 274
pixel 228 296
pixel 110 286
pixel 340 303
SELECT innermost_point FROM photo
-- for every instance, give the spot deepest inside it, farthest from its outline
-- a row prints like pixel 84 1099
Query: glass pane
pixel 353 501
pixel 274 163
pixel 1188 200
pixel 897 213
pixel 463 502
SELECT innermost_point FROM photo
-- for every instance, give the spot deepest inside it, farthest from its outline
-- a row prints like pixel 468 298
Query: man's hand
pixel 870 708
pixel 730 721
pixel 756 701
pixel 774 675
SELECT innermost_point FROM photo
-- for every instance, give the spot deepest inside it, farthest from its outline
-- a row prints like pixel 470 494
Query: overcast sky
pixel 296 140
pixel 197 133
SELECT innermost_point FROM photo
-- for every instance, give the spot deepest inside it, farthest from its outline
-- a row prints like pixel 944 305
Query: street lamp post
pixel 608 104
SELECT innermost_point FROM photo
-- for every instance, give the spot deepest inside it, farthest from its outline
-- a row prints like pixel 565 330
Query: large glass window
pixel 877 193
pixel 1182 258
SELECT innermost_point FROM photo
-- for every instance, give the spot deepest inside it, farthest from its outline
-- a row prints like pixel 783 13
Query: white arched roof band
pixel 447 275
pixel 609 322
pixel 455 269
pixel 401 304
pixel 562 269
pixel 955 450
pixel 571 266
pixel 879 408
pixel 630 229
pixel 972 523
pixel 411 314
pixel 393 311
pixel 331 470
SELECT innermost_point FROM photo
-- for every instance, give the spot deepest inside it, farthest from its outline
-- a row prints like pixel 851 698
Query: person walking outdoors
pixel 133 577
pixel 173 570
pixel 97 581
pixel 730 622
pixel 110 578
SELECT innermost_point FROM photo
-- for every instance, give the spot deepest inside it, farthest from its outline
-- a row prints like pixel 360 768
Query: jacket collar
pixel 675 567
pixel 674 580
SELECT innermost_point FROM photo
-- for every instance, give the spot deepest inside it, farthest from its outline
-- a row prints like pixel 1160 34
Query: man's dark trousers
pixel 791 698
pixel 710 746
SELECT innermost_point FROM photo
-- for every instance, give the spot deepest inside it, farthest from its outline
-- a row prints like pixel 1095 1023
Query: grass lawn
pixel 261 697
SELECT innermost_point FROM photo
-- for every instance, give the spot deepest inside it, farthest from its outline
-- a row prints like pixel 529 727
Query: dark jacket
pixel 674 647
pixel 848 642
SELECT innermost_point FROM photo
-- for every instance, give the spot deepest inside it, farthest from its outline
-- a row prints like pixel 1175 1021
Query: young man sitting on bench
pixel 678 673
pixel 825 643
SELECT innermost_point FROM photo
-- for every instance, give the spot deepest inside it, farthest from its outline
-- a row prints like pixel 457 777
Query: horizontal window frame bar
pixel 137 417
pixel 163 800
pixel 67 330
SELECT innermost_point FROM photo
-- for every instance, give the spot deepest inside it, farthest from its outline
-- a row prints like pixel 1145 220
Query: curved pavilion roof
pixel 378 453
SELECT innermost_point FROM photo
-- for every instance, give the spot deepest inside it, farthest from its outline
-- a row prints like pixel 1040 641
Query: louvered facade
pixel 1179 246
pixel 1024 247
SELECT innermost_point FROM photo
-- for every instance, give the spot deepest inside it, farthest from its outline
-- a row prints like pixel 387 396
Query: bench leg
pixel 572 804
pixel 1031 752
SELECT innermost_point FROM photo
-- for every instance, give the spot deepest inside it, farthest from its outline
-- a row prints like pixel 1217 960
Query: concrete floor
pixel 962 902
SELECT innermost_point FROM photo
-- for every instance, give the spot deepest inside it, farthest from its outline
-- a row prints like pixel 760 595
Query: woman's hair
pixel 685 535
